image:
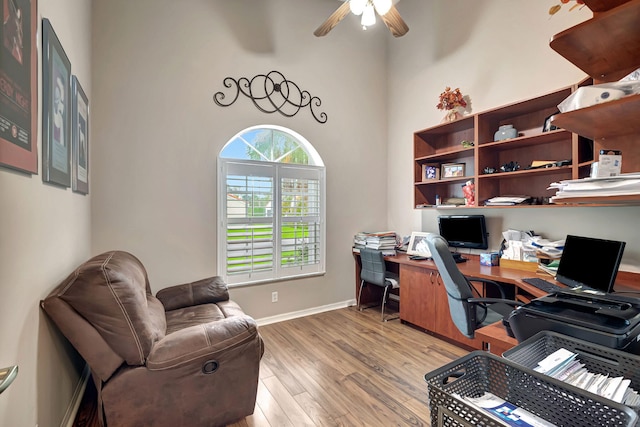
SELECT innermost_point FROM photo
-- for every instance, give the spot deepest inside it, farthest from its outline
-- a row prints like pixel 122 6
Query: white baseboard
pixel 76 399
pixel 303 313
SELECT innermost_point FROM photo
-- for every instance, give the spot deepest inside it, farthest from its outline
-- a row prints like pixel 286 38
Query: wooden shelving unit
pixel 442 144
pixel 607 47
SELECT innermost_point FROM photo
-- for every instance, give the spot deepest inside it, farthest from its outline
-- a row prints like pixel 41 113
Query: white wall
pixel 497 52
pixel 44 233
pixel 157 131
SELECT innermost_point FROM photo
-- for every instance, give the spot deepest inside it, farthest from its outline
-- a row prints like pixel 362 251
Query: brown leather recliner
pixel 187 357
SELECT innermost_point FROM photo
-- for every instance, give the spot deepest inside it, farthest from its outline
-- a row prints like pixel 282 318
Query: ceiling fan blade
pixel 394 22
pixel 333 20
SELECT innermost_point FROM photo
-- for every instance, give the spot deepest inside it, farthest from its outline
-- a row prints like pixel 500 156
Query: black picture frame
pixel 56 109
pixel 79 139
pixel 19 74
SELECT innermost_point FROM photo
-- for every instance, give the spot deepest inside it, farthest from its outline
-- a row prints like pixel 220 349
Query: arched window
pixel 271 207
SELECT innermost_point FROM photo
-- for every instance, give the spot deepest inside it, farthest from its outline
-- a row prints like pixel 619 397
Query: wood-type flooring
pixel 339 368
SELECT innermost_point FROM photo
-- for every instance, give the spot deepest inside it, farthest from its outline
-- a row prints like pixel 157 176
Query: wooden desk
pixel 423 300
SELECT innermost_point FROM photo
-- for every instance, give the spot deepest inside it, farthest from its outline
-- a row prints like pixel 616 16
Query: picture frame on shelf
pixel 56 109
pixel 547 126
pixel 430 172
pixel 19 97
pixel 79 139
pixel 452 170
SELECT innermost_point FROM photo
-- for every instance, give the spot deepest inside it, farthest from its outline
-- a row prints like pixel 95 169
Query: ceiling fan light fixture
pixel 357 6
pixel 382 6
pixel 368 16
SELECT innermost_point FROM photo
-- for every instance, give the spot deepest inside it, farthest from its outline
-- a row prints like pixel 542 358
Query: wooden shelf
pixel 607 120
pixel 519 173
pixel 603 5
pixel 606 47
pixel 526 141
pixel 602 200
pixel 449 154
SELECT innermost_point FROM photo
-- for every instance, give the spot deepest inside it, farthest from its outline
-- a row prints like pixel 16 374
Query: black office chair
pixel 469 310
pixel 374 271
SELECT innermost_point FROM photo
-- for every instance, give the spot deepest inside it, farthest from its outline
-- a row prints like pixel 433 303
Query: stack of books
pixel 384 241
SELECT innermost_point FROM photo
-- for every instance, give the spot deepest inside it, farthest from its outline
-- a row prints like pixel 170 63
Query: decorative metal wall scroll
pixel 270 93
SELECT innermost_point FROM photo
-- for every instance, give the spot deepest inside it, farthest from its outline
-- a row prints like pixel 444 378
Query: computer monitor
pixel 464 231
pixel 590 262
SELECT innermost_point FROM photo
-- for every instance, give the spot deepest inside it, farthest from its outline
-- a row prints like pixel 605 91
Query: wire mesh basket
pixel 596 358
pixel 556 402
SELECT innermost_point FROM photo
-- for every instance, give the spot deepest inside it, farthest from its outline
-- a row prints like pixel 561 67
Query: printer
pixel 609 320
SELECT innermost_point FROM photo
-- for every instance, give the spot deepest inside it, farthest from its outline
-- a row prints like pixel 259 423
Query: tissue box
pixel 490 259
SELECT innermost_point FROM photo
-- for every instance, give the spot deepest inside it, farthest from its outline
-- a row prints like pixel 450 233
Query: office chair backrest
pixel 466 316
pixel 373 266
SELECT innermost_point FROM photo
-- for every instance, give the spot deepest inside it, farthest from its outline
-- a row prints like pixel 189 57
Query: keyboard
pixel 543 285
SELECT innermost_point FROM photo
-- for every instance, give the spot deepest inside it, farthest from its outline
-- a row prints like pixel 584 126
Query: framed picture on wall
pixel 19 94
pixel 56 109
pixel 79 139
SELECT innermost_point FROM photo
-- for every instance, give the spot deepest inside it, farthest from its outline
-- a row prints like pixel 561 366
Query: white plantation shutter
pixel 300 219
pixel 248 219
pixel 271 216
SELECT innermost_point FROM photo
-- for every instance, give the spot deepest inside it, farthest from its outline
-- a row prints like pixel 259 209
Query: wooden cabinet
pixel 607 47
pixel 423 303
pixel 442 144
pixel 418 291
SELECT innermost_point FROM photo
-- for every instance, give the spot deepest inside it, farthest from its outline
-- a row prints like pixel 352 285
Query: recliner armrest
pixel 205 291
pixel 212 339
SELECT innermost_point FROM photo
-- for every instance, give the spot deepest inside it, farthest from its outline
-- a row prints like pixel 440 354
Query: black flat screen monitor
pixel 464 231
pixel 590 262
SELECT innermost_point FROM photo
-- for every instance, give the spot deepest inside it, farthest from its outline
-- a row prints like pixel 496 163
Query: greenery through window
pixel 272 185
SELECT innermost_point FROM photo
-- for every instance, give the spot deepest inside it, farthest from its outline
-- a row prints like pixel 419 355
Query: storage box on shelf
pixel 607 47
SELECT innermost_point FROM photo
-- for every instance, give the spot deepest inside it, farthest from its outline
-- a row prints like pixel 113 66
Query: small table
pixel 495 339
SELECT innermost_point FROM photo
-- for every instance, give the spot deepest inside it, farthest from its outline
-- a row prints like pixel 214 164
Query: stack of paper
pixel 508 201
pixel 621 185
pixel 385 241
pixel 564 366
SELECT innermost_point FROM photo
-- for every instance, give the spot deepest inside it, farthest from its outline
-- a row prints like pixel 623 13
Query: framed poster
pixel 79 139
pixel 56 109
pixel 19 86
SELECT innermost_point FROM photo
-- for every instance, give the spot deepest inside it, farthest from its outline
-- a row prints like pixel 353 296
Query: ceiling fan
pixel 368 9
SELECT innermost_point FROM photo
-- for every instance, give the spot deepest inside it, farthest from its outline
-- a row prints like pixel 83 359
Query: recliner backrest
pixel 373 266
pixel 465 316
pixel 111 292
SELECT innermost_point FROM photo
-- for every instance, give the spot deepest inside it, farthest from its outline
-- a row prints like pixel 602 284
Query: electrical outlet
pixel 274 296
